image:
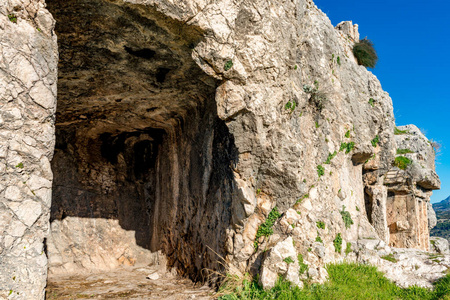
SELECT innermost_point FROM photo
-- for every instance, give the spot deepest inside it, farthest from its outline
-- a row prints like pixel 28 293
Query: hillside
pixel 442 210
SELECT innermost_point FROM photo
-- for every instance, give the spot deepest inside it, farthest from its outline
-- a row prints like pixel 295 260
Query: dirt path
pixel 125 283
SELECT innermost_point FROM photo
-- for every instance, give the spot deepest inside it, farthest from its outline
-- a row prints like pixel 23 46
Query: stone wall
pixel 28 59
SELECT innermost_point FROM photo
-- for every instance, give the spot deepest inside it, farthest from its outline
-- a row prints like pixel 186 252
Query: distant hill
pixel 442 210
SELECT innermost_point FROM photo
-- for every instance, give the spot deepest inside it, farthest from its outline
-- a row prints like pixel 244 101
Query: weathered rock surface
pixel 28 59
pixel 180 127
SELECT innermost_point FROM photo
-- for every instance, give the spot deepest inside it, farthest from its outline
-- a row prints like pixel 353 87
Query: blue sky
pixel 412 39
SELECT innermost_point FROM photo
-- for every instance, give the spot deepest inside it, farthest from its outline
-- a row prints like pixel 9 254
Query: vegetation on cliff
pixel 347 281
pixel 365 53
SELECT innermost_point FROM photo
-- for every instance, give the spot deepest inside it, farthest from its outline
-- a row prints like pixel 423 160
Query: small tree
pixel 365 53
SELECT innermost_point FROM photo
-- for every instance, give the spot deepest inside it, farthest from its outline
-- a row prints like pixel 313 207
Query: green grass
pixel 372 102
pixel 390 258
pixel 302 265
pixel 346 281
pixel 302 198
pixel 365 53
pixel 402 162
pixel 288 260
pixel 399 132
pixel 404 151
pixel 265 229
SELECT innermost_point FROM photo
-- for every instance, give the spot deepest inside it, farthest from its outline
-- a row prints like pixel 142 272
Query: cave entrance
pixel 135 178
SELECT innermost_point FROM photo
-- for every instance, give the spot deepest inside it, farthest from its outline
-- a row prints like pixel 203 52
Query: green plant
pixel 302 198
pixel 347 134
pixel 317 124
pixel 347 147
pixel 320 170
pixel 295 67
pixel 317 97
pixel 288 260
pixel 304 180
pixel 309 249
pixel 357 208
pixel 319 239
pixel 389 257
pixel 365 53
pixel 12 18
pixel 302 265
pixel 348 249
pixel 375 141
pixel 404 151
pixel 330 157
pixel 265 229
pixel 337 242
pixel 372 102
pixel 258 191
pixel 346 281
pixel 402 162
pixel 20 165
pixel 338 60
pixel 398 131
pixel 346 217
pixel 320 224
pixel 228 65
pixel 291 105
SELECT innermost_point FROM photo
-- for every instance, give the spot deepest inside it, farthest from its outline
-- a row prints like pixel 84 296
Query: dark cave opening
pixel 142 161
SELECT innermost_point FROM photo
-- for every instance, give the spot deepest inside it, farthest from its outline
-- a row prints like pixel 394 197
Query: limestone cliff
pixel 184 129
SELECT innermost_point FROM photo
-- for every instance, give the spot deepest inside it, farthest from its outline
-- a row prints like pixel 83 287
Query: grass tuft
pixel 346 281
pixel 365 53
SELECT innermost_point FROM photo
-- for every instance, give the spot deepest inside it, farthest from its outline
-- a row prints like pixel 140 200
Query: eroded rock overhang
pixel 136 129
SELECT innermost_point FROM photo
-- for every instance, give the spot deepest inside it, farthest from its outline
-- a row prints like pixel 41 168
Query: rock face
pixel 197 132
pixel 28 82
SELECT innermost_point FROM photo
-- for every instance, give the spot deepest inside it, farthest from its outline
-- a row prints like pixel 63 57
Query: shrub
pixel 365 53
pixel 319 239
pixel 318 97
pixel 402 162
pixel 372 102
